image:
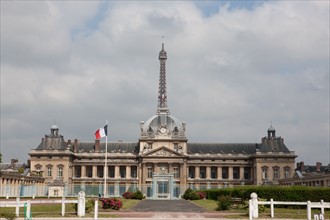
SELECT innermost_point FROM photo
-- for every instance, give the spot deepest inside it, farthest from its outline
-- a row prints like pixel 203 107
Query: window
pixel 100 170
pixel 247 173
pixel 49 170
pixel 122 170
pixel 111 171
pixel 214 172
pixel 224 172
pixel 192 172
pixel 276 173
pixel 286 172
pixel 77 170
pixel 38 170
pixel 176 172
pixel 60 171
pixel 264 172
pixel 236 174
pixel 150 170
pixel 89 171
pixel 202 172
pixel 133 171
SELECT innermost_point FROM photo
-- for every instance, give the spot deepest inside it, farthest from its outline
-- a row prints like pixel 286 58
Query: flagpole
pixel 105 163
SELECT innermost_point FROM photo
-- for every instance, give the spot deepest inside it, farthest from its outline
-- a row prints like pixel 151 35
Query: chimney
pixel 318 166
pixel 13 162
pixel 97 145
pixel 302 166
pixel 75 146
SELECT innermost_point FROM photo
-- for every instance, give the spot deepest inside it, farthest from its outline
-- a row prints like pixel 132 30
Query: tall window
pixel 202 172
pixel 176 172
pixel 122 171
pixel 265 172
pixel 89 171
pixel 236 174
pixel 60 171
pixel 286 172
pixel 150 170
pixel 214 172
pixel 49 170
pixel 133 171
pixel 112 171
pixel 247 173
pixel 100 170
pixel 276 174
pixel 38 169
pixel 224 172
pixel 192 172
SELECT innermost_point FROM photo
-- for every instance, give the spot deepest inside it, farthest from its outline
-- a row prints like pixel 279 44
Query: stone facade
pixel 163 148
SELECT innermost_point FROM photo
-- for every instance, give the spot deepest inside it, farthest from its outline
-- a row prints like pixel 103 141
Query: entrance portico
pixel 163 186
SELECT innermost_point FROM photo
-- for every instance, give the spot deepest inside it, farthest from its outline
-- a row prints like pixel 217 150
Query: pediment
pixel 162 152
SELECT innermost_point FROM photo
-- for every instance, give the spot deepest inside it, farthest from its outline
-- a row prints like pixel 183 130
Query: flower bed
pixel 111 203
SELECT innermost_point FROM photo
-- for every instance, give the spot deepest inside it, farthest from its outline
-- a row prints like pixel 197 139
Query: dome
pixel 54 127
pixel 271 128
pixel 163 124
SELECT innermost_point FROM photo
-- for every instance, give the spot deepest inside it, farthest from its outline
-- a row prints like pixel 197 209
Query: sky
pixel 233 70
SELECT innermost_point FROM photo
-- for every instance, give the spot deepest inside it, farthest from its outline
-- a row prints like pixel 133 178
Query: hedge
pixel 277 193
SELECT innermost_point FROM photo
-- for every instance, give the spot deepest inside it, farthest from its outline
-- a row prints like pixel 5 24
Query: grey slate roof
pixel 221 148
pixel 273 146
pixel 122 147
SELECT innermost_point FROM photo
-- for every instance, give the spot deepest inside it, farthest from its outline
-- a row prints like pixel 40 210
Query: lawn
pixel 54 210
pixel 239 213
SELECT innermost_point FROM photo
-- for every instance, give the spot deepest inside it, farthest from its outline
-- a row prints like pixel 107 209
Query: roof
pixel 223 148
pixel 273 145
pixel 122 147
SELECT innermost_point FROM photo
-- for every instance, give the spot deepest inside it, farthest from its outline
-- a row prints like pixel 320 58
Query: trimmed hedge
pixel 277 193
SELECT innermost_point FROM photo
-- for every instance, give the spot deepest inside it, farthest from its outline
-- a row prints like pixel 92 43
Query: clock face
pixel 163 130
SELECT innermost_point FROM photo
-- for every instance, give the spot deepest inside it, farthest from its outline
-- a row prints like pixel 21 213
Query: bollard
pixel 271 208
pixel 17 207
pixel 255 210
pixel 81 204
pixel 63 206
pixel 309 210
pixel 96 209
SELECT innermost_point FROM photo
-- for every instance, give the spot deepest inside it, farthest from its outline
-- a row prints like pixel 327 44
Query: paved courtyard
pixel 167 206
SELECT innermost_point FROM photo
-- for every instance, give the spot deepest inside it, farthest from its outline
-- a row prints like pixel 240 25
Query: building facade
pixel 162 163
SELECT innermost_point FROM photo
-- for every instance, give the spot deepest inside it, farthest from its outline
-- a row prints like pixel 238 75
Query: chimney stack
pixel 318 166
pixel 75 146
pixel 302 166
pixel 97 145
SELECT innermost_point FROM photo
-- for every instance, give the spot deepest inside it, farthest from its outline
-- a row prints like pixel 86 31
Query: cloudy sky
pixel 233 69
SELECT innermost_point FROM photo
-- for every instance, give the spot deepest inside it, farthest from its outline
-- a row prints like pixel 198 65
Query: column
pixel 117 174
pixel 230 173
pixel 208 172
pixel 196 172
pixel 183 174
pixel 128 172
pixel 241 173
pixel 83 171
pixel 139 174
pixel 219 170
pixel 94 171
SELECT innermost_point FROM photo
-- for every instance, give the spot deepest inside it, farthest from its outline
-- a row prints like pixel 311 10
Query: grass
pixel 239 213
pixel 54 210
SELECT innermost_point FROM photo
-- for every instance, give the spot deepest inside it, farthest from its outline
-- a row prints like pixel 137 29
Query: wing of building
pixel 162 163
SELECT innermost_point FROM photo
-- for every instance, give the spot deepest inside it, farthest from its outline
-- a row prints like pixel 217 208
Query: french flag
pixel 101 132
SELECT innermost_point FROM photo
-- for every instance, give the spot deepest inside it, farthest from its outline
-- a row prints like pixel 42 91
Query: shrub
pixel 128 195
pixel 111 203
pixel 202 195
pixel 224 203
pixel 137 195
pixel 7 215
pixel 190 194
